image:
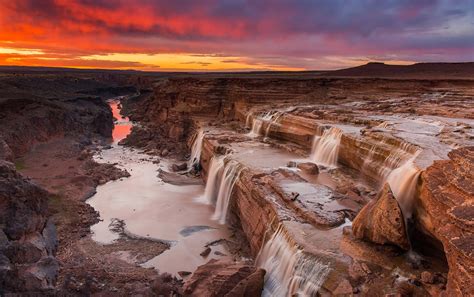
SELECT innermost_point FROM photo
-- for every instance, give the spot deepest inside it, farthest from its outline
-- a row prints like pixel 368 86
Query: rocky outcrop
pixel 26 122
pixel 381 221
pixel 221 278
pixel 100 173
pixel 446 212
pixel 5 151
pixel 178 179
pixel 27 240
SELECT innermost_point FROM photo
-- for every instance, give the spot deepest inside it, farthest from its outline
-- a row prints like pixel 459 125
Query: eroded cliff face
pixel 26 122
pixel 377 123
pixel 446 211
pixel 47 126
pixel 28 240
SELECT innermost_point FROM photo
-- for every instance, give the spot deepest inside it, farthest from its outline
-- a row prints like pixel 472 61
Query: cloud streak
pixel 300 34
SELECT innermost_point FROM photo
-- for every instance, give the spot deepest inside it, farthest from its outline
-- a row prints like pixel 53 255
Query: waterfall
pixel 403 181
pixel 213 179
pixel 274 118
pixel 289 271
pixel 256 127
pixel 326 147
pixel 395 159
pixel 247 119
pixel 196 148
pixel 229 176
pixel 258 122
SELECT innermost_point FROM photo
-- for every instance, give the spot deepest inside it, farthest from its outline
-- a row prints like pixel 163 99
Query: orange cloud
pixel 265 34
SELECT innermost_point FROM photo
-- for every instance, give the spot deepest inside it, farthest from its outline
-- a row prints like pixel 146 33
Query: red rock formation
pixel 446 212
pixel 221 278
pixel 381 221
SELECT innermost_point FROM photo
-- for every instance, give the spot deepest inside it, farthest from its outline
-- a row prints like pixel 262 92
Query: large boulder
pixel 445 211
pixel 381 221
pixel 309 168
pixel 223 278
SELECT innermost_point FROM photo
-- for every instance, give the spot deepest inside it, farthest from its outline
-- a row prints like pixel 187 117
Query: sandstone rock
pixel 381 221
pixel 445 212
pixel 344 288
pixel 309 168
pixel 427 277
pixel 206 252
pixel 222 278
pixel 165 152
pixel 184 273
pixel 103 172
pixel 178 179
pixel 179 167
pixel 357 271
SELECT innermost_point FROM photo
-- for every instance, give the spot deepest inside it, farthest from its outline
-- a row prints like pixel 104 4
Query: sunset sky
pixel 211 35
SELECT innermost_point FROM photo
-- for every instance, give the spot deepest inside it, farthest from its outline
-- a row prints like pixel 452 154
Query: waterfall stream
pixel 289 271
pixel 269 118
pixel 196 149
pixel 228 178
pixel 403 181
pixel 213 179
pixel 326 147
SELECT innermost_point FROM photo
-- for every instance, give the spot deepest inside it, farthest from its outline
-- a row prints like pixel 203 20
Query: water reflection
pixel 122 125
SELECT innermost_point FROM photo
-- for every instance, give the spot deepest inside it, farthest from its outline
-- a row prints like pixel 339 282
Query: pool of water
pixel 154 209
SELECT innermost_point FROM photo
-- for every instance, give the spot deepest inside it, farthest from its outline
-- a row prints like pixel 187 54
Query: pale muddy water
pixel 154 209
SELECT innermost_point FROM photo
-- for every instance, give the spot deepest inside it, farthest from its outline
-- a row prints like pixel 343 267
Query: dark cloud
pixel 281 29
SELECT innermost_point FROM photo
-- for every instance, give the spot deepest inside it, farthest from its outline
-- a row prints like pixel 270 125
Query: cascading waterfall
pixel 274 118
pixel 247 119
pixel 256 127
pixel 229 176
pixel 289 271
pixel 369 159
pixel 258 122
pixel 326 147
pixel 213 179
pixel 196 148
pixel 395 159
pixel 403 181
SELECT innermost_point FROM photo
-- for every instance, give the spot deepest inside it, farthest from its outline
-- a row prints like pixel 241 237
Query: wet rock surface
pixel 178 179
pixel 220 278
pixel 381 221
pixel 51 137
pixel 445 211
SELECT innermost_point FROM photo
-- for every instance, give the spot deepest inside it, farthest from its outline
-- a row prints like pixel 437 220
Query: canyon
pixel 353 182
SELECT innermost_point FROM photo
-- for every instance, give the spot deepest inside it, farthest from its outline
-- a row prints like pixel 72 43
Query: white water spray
pixel 247 119
pixel 256 127
pixel 196 148
pixel 274 118
pixel 289 271
pixel 268 118
pixel 229 177
pixel 213 179
pixel 403 181
pixel 326 147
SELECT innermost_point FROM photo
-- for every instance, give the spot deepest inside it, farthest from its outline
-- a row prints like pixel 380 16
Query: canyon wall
pixel 177 106
pixel 37 109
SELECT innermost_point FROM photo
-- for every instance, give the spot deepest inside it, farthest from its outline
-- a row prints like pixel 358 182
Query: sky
pixel 233 35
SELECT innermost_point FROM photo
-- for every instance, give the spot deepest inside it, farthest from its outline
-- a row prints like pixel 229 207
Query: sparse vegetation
pixel 20 164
